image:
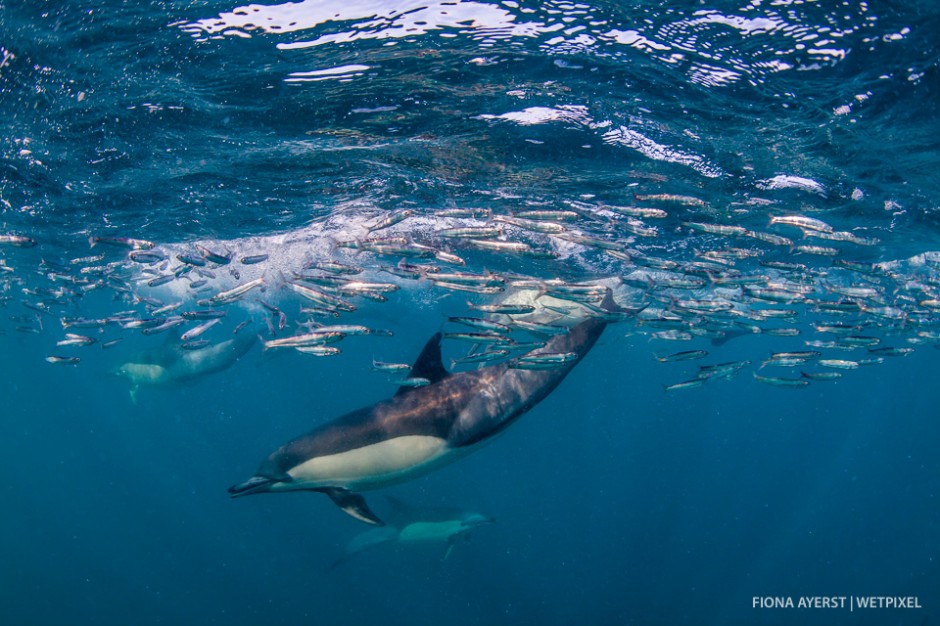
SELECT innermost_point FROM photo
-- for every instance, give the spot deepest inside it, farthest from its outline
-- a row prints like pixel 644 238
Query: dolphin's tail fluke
pixel 367 540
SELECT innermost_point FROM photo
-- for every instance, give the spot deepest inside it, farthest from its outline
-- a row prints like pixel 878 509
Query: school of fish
pixel 689 272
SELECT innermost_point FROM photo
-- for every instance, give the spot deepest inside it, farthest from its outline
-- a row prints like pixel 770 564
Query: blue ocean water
pixel 293 130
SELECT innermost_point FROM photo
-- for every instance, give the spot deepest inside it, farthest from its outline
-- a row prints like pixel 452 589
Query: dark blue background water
pixel 616 502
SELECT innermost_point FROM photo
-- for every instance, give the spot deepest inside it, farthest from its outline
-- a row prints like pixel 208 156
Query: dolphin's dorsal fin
pixel 352 504
pixel 401 512
pixel 428 364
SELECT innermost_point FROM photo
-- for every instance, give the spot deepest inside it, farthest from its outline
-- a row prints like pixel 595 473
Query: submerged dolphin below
pixel 170 364
pixel 418 429
pixel 409 525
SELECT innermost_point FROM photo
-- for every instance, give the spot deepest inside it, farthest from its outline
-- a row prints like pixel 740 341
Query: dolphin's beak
pixel 255 484
pixel 478 520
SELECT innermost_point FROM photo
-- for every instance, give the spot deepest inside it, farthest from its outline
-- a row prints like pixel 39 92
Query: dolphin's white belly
pixel 373 466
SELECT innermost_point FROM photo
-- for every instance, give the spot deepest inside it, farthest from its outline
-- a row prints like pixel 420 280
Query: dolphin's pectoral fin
pixel 353 504
pixel 133 392
pixel 428 364
pixel 450 548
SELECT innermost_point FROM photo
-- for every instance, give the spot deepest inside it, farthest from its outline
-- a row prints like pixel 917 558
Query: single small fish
pixel 252 260
pixel 145 256
pixel 544 360
pixel 448 257
pixel 72 339
pixel 498 245
pixel 319 297
pixel 670 198
pixel 821 375
pixel 469 288
pixel 721 370
pixel 781 382
pixel 484 324
pixel 63 360
pixel 334 267
pixel 817 250
pixel 171 322
pixel 770 238
pixel 547 228
pixel 361 287
pixel 838 364
pixel 318 350
pixel 167 308
pixel 214 257
pixel 147 322
pixel 199 344
pixel 87 260
pixel 591 242
pixel 81 322
pixel 191 334
pixel 479 337
pixel 859 340
pixel 315 338
pixel 548 215
pixel 803 222
pixel 226 297
pixel 474 232
pixel 412 250
pixel 782 332
pixel 463 213
pixel 652 262
pixel 122 242
pixel 415 381
pixel 203 314
pixel 19 241
pixel 889 351
pixel 785 362
pixel 481 357
pixel 837 329
pixel 391 220
pixel 687 384
pixel 390 368
pixel 319 311
pixel 466 278
pixel 505 309
pixel 348 329
pixel 160 280
pixel 192 259
pixel 672 335
pixel 724 230
pixel 685 355
pixel 802 354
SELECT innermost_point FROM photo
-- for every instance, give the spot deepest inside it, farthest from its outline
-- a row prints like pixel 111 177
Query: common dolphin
pixel 417 525
pixel 171 364
pixel 418 429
